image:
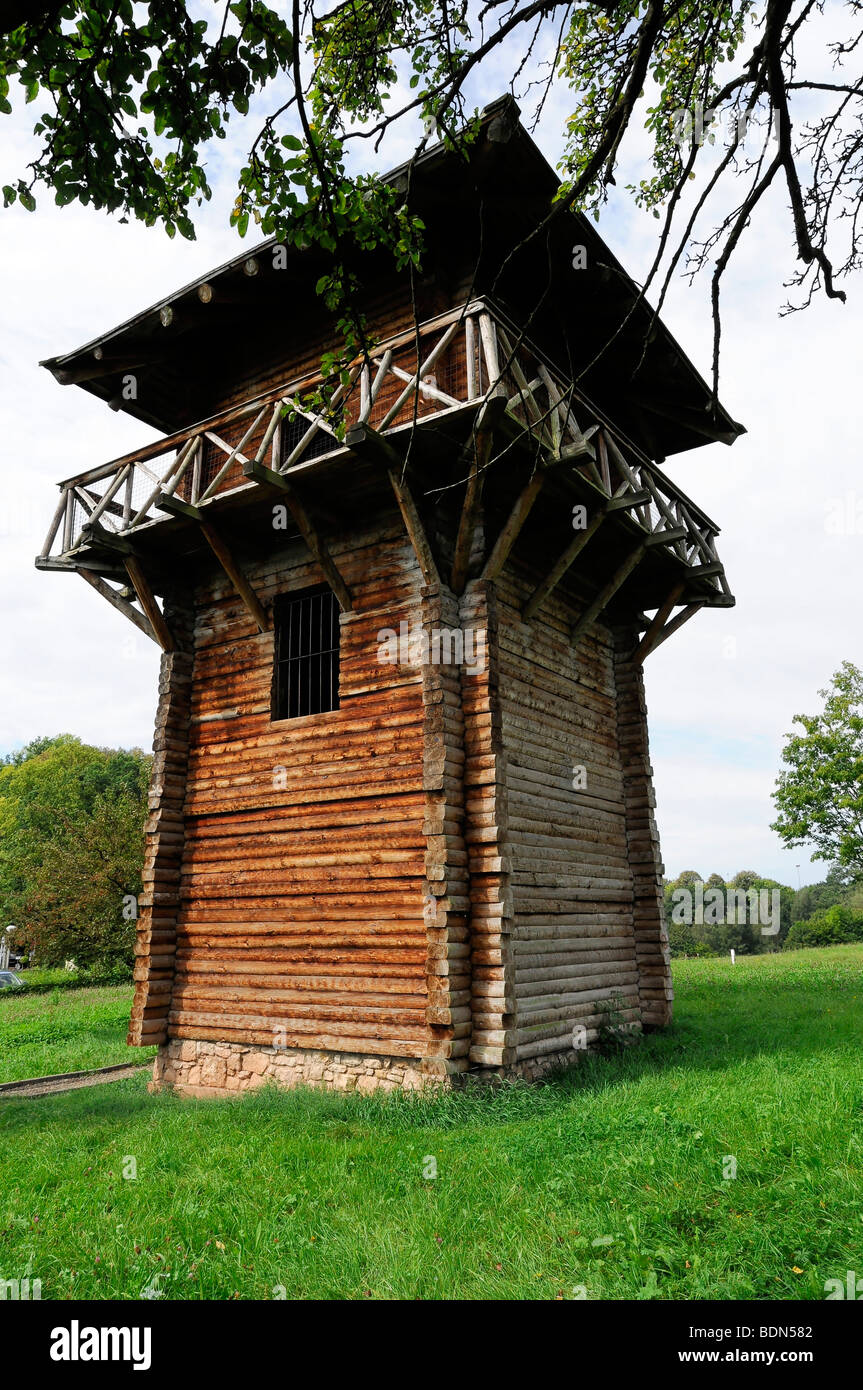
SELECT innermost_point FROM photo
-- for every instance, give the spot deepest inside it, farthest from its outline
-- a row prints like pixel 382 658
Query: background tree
pixel 841 886
pixel 130 96
pixel 819 795
pixel 71 849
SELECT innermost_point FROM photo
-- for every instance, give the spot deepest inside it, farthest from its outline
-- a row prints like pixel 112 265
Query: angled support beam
pixel 122 606
pixel 682 617
pixel 370 444
pixel 416 530
pixel 564 562
pixel 488 417
pixel 147 600
pixel 316 543
pixel 606 594
pixel 620 502
pixel 236 576
pixel 512 528
pixel 649 640
pixel 223 554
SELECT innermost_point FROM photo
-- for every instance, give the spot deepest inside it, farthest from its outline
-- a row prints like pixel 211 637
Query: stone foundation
pixel 213 1069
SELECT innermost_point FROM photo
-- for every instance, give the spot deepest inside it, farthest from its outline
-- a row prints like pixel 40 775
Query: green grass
pixel 608 1178
pixel 41 1034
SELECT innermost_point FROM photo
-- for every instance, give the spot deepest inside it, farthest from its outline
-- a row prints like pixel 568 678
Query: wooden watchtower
pixel 401 818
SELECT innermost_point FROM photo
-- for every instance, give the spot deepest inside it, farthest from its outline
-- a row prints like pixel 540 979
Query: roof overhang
pixel 593 320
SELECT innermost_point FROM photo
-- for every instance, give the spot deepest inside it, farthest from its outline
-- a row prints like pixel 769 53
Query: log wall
pixel 585 949
pixel 302 899
pixel 456 870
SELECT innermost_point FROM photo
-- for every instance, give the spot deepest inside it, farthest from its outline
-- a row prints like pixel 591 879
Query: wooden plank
pixel 665 536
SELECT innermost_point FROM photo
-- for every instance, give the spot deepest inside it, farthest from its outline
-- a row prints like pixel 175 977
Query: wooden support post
pixel 517 517
pixel 606 594
pixel 119 603
pixel 483 438
pixel 314 540
pixel 55 526
pixel 416 530
pixel 147 600
pixel 648 641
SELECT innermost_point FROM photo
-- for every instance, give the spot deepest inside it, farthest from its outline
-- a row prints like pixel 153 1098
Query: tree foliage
pixel 819 794
pixel 130 97
pixel 71 849
pixel 835 926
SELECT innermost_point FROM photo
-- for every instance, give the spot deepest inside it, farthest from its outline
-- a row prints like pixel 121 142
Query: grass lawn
pixel 606 1182
pixel 65 1030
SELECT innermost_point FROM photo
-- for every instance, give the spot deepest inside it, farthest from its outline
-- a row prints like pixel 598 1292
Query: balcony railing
pixel 465 357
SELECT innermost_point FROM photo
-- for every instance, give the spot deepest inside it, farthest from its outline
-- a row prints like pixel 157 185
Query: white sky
pixel 721 693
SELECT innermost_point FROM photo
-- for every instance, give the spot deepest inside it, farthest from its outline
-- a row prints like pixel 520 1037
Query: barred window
pixel 306 674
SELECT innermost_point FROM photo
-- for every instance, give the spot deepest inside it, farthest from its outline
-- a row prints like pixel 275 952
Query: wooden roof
pixel 478 211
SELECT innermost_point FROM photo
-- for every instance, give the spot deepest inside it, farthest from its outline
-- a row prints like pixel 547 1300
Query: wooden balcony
pixel 463 367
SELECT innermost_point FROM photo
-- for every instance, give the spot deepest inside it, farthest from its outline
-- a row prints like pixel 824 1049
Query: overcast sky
pixel 721 693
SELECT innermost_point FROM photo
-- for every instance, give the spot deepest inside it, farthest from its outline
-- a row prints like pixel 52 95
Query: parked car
pixel 10 981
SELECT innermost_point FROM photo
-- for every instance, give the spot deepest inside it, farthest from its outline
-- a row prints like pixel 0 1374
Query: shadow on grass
pixel 723 1019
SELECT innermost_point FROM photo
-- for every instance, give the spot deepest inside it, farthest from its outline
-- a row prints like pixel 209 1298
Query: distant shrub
pixel 682 942
pixel 835 926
